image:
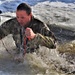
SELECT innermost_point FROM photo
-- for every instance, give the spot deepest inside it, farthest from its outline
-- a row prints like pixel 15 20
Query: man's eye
pixel 17 17
pixel 22 17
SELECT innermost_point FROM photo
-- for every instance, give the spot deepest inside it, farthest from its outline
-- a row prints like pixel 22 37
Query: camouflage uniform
pixel 43 37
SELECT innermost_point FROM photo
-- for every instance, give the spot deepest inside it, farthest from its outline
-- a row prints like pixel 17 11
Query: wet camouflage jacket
pixel 43 35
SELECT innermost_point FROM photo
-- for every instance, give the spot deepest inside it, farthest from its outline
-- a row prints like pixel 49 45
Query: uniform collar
pixel 30 23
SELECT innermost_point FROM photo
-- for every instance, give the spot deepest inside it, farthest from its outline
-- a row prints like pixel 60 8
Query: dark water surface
pixel 63 35
pixel 12 4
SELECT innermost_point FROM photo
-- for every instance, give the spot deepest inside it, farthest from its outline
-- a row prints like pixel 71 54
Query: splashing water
pixel 44 61
pixel 50 62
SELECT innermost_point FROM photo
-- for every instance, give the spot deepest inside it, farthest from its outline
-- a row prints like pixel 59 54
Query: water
pixel 59 61
pixel 10 5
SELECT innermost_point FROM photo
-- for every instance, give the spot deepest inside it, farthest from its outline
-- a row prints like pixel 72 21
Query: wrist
pixel 33 36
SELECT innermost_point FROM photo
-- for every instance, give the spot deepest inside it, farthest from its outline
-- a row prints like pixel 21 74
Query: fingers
pixel 29 33
pixel 28 28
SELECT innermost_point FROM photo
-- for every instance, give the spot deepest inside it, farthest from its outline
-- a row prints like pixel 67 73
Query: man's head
pixel 23 14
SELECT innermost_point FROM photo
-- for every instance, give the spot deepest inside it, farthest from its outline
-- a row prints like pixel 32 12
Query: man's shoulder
pixel 11 20
pixel 37 20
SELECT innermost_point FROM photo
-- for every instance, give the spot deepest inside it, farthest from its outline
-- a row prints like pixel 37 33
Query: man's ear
pixel 30 14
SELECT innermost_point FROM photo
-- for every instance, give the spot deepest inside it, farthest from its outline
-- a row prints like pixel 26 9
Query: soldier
pixel 28 32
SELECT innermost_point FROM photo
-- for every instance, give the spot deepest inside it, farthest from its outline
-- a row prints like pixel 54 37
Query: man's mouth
pixel 21 24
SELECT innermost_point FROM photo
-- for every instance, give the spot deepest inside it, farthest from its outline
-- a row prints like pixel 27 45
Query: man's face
pixel 22 17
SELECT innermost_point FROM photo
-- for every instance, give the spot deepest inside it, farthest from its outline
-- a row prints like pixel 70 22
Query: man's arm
pixel 47 39
pixel 44 41
pixel 47 32
pixel 7 28
pixel 4 30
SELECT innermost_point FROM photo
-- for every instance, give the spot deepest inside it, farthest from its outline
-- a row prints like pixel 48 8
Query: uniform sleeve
pixel 44 41
pixel 47 32
pixel 45 37
pixel 6 28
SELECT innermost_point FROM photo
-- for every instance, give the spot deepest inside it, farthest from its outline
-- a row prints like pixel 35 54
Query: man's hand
pixel 29 33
